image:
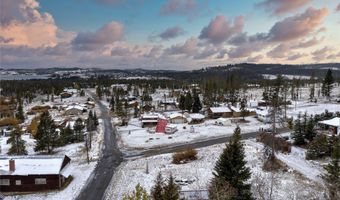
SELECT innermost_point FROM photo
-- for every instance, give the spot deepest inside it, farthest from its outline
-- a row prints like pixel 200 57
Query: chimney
pixel 11 165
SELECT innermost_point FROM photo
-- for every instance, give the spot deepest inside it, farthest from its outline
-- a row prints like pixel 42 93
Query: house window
pixel 17 182
pixel 4 182
pixel 40 181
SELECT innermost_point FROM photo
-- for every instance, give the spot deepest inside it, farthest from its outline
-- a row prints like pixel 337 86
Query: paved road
pixel 194 144
pixel 111 158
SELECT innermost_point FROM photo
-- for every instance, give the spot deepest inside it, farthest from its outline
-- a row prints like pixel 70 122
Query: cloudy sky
pixel 167 34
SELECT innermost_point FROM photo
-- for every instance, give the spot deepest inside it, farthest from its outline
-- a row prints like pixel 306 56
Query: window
pixel 4 182
pixel 40 181
pixel 17 182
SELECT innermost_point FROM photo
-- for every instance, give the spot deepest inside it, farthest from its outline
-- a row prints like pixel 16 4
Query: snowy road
pixel 110 159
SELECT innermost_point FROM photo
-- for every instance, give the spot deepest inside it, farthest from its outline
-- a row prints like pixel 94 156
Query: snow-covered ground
pixel 133 136
pixel 292 184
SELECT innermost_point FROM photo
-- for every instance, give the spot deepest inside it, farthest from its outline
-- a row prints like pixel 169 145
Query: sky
pixel 167 34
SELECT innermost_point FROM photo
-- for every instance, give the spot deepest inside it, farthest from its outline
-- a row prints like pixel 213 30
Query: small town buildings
pixel 177 118
pixel 28 174
pixel 332 125
pixel 216 112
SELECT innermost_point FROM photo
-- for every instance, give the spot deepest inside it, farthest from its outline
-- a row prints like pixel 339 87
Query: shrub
pixel 9 121
pixel 280 144
pixel 184 156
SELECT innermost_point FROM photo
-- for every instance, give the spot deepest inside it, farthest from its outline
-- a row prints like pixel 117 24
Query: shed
pixel 333 125
pixel 177 118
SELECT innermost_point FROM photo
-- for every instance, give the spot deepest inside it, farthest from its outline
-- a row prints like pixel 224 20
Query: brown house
pixel 216 112
pixel 28 174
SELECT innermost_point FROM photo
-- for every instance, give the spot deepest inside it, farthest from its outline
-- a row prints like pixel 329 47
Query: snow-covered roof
pixel 175 115
pixel 78 107
pixel 32 165
pixel 196 116
pixel 220 109
pixel 233 108
pixel 332 122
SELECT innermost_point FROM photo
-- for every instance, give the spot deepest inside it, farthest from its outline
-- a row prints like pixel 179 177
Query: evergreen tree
pixel 318 148
pixel 332 176
pixel 171 190
pixel 181 102
pixel 139 194
pixel 197 106
pixel 298 134
pixel 312 87
pixel 16 142
pixel 66 135
pixel 95 119
pixel 78 129
pixel 310 131
pixel 327 84
pixel 188 102
pixel 231 167
pixel 158 190
pixel 112 104
pixel 90 122
pixel 243 108
pixel 99 92
pixel 46 136
pixel 20 113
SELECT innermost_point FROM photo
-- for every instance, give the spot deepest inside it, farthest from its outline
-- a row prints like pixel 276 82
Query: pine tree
pixel 20 113
pixel 66 135
pixel 99 92
pixel 46 137
pixel 197 106
pixel 327 84
pixel 171 190
pixel 231 167
pixel 78 129
pixel 90 122
pixel 181 104
pixel 139 194
pixel 243 108
pixel 298 134
pixel 95 119
pixel 310 131
pixel 332 176
pixel 157 191
pixel 17 143
pixel 318 148
pixel 112 104
pixel 188 102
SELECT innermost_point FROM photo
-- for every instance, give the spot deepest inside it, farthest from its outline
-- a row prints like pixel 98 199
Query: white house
pixel 332 124
pixel 177 118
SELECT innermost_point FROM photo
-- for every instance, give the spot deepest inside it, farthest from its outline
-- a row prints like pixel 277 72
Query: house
pixel 149 120
pixel 74 110
pixel 332 125
pixel 263 115
pixel 216 112
pixel 177 118
pixel 194 194
pixel 236 111
pixel 195 118
pixel 28 174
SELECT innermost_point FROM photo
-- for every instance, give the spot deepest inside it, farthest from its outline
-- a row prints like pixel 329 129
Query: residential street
pixel 110 159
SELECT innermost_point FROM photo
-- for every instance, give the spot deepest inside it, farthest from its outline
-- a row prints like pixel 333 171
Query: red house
pixel 28 174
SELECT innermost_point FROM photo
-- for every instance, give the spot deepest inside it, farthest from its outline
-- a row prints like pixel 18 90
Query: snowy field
pixel 300 181
pixel 133 136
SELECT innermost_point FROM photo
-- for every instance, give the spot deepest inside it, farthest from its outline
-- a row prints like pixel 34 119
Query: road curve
pixel 110 159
